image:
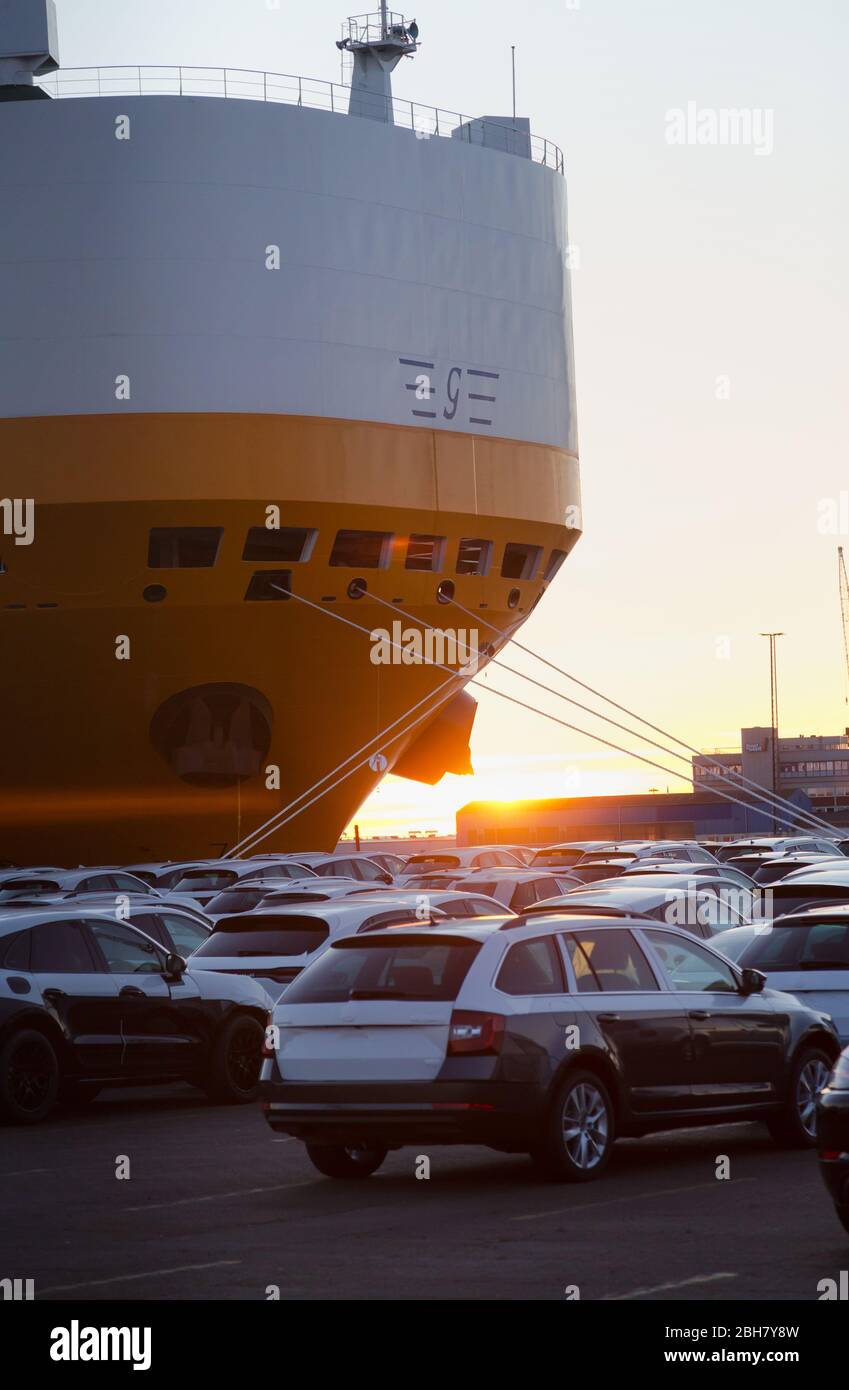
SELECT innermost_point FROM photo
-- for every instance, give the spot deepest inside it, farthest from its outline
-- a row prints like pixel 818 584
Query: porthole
pixel 445 591
pixel 357 588
pixel 154 593
pixel 513 598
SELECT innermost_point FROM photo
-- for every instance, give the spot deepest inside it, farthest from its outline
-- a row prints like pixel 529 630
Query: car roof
pixel 338 909
pixel 23 918
pixel 680 875
pixel 506 871
pixel 483 928
pixel 645 896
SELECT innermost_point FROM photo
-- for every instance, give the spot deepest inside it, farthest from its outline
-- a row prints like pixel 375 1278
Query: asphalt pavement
pixel 160 1195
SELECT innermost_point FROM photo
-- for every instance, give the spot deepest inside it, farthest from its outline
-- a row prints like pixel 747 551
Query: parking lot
pixel 216 1207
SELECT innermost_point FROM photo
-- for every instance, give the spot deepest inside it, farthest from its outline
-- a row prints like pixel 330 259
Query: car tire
pixel 29 1077
pixel 341 1161
pixel 579 1130
pixel 794 1127
pixel 233 1076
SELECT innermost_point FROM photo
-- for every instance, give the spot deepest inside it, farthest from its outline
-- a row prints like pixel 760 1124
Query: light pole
pixel 773 703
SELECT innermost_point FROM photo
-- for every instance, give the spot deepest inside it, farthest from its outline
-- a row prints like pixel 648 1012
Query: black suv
pixel 87 1001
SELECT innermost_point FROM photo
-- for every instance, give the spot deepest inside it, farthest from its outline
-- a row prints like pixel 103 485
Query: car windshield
pixel 283 935
pixel 403 969
pixel 817 946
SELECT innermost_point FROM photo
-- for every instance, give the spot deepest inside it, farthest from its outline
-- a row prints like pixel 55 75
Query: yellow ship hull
pixel 92 769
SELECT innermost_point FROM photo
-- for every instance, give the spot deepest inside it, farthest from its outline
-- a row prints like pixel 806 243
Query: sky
pixel 710 321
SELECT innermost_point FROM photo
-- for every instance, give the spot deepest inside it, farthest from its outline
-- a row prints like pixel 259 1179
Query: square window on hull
pixel 425 553
pixel 291 544
pixel 183 547
pixel 520 561
pixel 555 562
pixel 362 550
pixel 474 556
pixel 268 585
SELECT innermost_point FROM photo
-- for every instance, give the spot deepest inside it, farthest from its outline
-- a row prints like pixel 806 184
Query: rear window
pixel 28 886
pixel 592 873
pixel 402 969
pixel 551 858
pixel 277 899
pixel 822 946
pixel 236 900
pixel 791 897
pixel 433 861
pixel 206 878
pixel 286 935
pixel 596 856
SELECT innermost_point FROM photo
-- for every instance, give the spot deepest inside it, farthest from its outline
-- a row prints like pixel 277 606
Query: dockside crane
pixel 844 609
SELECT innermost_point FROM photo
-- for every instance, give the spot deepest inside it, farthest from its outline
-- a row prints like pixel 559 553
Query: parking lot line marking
pixel 639 1197
pixel 664 1288
pixel 123 1278
pixel 223 1196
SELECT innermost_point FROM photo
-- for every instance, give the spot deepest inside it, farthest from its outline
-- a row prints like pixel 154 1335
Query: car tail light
pixel 474 1032
pixel 832 1155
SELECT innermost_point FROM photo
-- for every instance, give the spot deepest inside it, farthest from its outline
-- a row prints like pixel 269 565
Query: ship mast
pixel 377 43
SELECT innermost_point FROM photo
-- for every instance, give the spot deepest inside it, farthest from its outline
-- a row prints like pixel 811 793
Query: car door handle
pixel 131 992
pixel 699 1014
pixel 54 994
pixel 609 1018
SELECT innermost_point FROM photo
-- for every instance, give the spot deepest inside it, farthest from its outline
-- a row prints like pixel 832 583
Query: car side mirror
pixel 751 981
pixel 175 966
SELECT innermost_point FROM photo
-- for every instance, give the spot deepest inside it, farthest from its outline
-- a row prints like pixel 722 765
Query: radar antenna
pixel 377 43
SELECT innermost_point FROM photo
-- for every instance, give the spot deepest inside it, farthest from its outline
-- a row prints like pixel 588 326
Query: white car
pixel 205 883
pixel 460 860
pixel 273 944
pixel 806 954
pixel 248 893
pixel 516 889
pixel 696 906
pixel 435 903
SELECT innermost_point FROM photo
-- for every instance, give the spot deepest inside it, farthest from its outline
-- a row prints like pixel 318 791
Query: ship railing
pixel 244 84
pixel 368 28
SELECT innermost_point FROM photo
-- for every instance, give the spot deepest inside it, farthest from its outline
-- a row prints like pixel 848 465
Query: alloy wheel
pixel 812 1079
pixel 586 1126
pixel 243 1058
pixel 30 1075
